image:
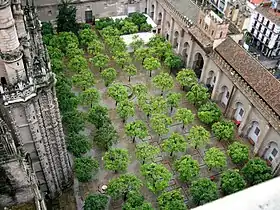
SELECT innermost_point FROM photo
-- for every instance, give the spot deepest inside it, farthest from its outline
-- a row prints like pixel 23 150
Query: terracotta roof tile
pixel 263 82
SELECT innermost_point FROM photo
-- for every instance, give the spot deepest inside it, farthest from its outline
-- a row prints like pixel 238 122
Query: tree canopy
pixel 198 136
pixel 146 152
pixel 163 81
pixel 232 182
pixel 215 158
pixel 78 144
pixel 173 100
pixel 151 64
pixel 198 94
pixel 89 96
pixel 137 129
pixel 85 168
pixel 121 186
pixel 66 18
pixel 186 78
pixel 116 159
pixel 175 143
pixel 184 116
pixel 100 61
pixel 131 70
pixel 156 176
pixel 106 136
pixel 125 109
pixel 224 130
pixel 96 202
pixel 160 123
pixel 209 113
pixel 118 92
pixel 108 75
pixel 172 200
pixel 203 191
pixel 187 167
pixel 256 171
pixel 98 116
pixel 238 152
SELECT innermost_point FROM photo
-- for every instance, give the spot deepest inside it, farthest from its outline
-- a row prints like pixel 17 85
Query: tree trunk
pixel 161 93
pixel 133 140
pixel 148 115
pixel 150 73
pixel 122 66
pixel 143 60
pixel 143 162
pixel 183 126
pixel 125 196
pixel 183 88
pixel 116 171
pixel 100 69
pixel 171 153
pixel 195 147
pixel 116 103
pixel 170 71
pixel 128 78
pixel 123 120
pixel 171 109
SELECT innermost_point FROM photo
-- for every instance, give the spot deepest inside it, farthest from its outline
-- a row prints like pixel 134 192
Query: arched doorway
pixel 272 154
pixel 159 18
pixel 239 112
pixel 198 64
pixel 185 51
pixel 210 81
pixel 152 11
pixel 254 132
pixel 175 41
pixel 225 95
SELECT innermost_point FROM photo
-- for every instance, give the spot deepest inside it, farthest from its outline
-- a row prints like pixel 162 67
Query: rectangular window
pixel 88 16
pixel 257 131
pixel 264 31
pixel 252 31
pixel 270 35
pixel 274 152
pixel 273 27
pixel 241 112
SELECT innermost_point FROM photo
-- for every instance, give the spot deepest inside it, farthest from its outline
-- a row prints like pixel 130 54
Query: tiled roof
pixel 260 80
pixel 201 37
pixel 269 13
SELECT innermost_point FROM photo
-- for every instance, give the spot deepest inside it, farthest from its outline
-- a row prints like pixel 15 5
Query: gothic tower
pixel 28 103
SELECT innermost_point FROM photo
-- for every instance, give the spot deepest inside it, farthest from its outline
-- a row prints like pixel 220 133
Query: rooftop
pixel 269 13
pixel 260 80
pixel 187 8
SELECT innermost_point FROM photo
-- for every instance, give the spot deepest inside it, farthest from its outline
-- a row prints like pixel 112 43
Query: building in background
pixel 265 29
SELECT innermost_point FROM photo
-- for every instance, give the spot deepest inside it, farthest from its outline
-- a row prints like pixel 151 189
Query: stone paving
pixel 125 142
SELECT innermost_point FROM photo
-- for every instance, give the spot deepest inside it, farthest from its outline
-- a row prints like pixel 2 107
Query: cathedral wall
pixel 14 71
pixel 18 178
pixel 8 34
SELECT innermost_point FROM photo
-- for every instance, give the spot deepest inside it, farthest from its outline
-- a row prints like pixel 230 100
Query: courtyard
pixel 141 74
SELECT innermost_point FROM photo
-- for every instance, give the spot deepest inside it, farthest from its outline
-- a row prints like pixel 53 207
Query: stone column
pixel 261 140
pixel 204 70
pixel 171 31
pixel 163 22
pixel 216 85
pixel 190 54
pixel 60 142
pixel 148 7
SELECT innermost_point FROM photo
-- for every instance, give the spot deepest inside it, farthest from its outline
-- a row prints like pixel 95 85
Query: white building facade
pixel 265 30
